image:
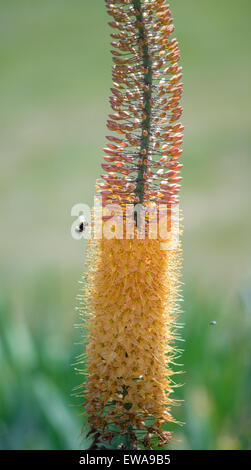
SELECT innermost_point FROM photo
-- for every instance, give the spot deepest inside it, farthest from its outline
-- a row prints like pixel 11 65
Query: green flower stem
pixel 147 97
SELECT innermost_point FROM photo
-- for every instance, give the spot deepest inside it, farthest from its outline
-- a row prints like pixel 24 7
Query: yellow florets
pixel 132 294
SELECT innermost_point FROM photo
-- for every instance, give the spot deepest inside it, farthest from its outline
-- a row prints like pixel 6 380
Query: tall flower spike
pixel 132 286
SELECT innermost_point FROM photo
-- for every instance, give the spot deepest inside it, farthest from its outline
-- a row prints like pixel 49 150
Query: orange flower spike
pixel 132 285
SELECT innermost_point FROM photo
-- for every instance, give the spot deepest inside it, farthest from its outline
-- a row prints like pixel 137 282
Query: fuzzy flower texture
pixel 132 286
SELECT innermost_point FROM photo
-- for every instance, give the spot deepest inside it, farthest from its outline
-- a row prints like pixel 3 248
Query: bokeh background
pixel 54 90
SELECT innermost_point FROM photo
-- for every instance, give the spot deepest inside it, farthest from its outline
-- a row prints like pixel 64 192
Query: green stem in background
pixel 147 96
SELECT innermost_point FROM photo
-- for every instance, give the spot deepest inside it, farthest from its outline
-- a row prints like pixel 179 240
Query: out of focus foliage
pixel 37 378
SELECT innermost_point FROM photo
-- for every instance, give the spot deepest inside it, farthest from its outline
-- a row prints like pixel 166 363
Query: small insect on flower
pixel 82 225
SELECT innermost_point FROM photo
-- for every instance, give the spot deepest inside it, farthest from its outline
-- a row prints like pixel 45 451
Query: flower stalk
pixel 147 97
pixel 132 286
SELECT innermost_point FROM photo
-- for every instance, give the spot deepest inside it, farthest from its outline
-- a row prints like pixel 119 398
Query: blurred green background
pixel 54 89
